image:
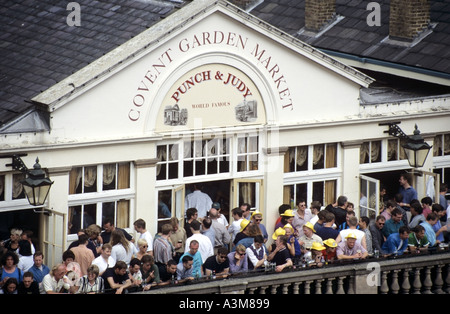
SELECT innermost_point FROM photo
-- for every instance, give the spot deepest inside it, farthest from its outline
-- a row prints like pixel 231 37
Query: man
pixel 301 216
pixel 396 243
pixel 140 227
pixel 256 219
pixel 191 215
pixel 236 224
pixel 442 200
pixel 168 273
pixel 104 260
pixel 309 237
pixel 193 252
pixel 135 275
pixel 256 253
pixel 116 278
pixel 417 240
pixel 408 192
pixel 352 228
pixel 205 246
pixel 376 232
pixel 393 225
pixel 363 224
pixel 207 231
pixel 416 214
pixel 238 260
pixel 427 202
pixel 221 235
pixel 340 211
pixel 315 208
pixel 428 224
pixel 217 264
pixel 350 249
pixel 199 200
pixel 108 228
pixel 39 270
pixel 28 285
pixel 221 217
pixel 246 214
pixel 437 227
pixel 55 282
pixel 163 251
pixel 280 255
pixel 184 269
pixel 327 231
pixel 83 255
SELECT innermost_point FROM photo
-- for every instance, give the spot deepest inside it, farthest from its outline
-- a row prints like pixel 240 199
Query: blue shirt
pixel 409 194
pixel 394 244
pixel 38 274
pixel 197 263
pixel 431 235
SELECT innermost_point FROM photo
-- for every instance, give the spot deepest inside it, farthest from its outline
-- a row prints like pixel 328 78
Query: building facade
pixel 213 95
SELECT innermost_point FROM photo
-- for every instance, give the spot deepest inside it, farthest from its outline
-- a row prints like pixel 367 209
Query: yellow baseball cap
pixel 317 246
pixel 310 226
pixel 288 213
pixel 278 232
pixel 330 243
pixel 244 224
pixel 256 212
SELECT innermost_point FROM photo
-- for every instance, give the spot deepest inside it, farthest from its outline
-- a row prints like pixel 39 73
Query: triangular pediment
pixel 132 85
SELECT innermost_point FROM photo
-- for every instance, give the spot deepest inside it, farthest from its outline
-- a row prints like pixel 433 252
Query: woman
pixel 122 249
pixel 10 286
pixel 91 283
pixel 10 269
pixel 142 245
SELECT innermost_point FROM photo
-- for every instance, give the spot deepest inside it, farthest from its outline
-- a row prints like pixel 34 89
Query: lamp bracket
pixel 45 211
pixel 17 162
pixel 394 130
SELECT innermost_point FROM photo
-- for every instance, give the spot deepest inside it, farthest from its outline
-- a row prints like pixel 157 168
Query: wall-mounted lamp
pixel 416 149
pixel 36 183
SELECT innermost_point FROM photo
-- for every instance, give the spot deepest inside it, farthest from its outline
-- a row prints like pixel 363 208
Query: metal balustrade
pixel 409 274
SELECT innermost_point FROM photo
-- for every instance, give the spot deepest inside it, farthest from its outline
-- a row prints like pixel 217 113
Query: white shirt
pixel 234 228
pixel 358 233
pixel 25 263
pixel 205 246
pixel 147 237
pixel 103 264
pixel 119 253
pixel 199 200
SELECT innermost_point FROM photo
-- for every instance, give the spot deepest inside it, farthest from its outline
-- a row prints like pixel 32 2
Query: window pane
pixel 2 188
pixel 331 156
pixel 90 179
pixel 164 204
pixel 392 153
pixel 18 192
pixel 74 219
pixel 375 151
pixel 318 156
pixel 109 177
pixel 123 177
pixel 108 212
pixel 123 214
pixel 74 181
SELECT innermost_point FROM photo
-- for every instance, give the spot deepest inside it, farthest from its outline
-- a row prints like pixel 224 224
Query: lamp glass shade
pixel 416 158
pixel 36 195
pixel 36 185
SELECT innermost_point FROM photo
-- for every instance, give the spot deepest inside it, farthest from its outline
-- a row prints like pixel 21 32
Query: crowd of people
pixel 110 260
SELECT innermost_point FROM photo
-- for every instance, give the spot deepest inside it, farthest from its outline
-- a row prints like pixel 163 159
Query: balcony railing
pixel 408 274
